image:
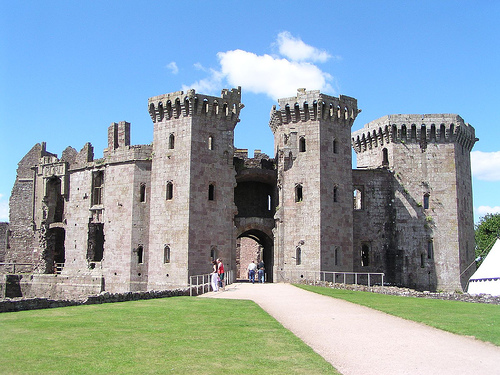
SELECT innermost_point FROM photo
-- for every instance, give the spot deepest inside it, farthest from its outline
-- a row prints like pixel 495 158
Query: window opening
pixel 358 199
pixel 422 260
pixel 298 256
pixel 211 143
pixel 335 151
pixel 211 192
pixel 269 202
pixel 385 157
pixel 365 256
pixel 95 243
pixel 302 144
pixel 430 249
pixel 335 193
pixel 426 201
pixel 140 254
pixel 337 256
pixel 97 185
pixel 169 191
pixel 171 141
pixel 213 253
pixel 143 193
pixel 166 254
pixel 298 193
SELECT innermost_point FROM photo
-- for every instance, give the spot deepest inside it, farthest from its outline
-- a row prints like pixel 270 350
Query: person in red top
pixel 220 271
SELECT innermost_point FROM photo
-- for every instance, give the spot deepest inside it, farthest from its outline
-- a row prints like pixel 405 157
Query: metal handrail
pixel 331 276
pixel 204 282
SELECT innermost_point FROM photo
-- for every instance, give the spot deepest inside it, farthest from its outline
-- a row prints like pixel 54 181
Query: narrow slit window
pixel 142 193
pixel 140 255
pixel 302 144
pixel 169 191
pixel 211 143
pixel 426 201
pixel 298 256
pixel 211 192
pixel 335 194
pixel 365 256
pixel 430 249
pixel 171 141
pixel 98 183
pixel 166 254
pixel 358 199
pixel 335 148
pixel 337 256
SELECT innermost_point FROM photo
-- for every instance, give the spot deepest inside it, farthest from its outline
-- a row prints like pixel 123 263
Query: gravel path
pixel 359 340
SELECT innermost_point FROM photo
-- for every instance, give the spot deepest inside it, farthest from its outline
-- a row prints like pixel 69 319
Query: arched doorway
pixel 254 245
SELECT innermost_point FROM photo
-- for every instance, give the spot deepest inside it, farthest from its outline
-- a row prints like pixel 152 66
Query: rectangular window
pixel 426 201
pixel 97 187
pixel 298 193
pixel 365 255
pixel 169 191
pixel 142 193
pixel 166 254
pixel 95 242
pixel 211 192
pixel 298 256
pixel 430 249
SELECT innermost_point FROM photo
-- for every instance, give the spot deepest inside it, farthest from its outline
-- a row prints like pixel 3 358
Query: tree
pixel 486 232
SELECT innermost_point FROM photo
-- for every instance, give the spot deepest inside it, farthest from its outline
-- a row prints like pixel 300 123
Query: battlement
pixel 418 129
pixel 312 105
pixel 179 104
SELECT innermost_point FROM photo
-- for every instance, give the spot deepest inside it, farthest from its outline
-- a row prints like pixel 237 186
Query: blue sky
pixel 70 68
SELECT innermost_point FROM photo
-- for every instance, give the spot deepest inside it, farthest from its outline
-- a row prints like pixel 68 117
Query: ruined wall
pixel 4 240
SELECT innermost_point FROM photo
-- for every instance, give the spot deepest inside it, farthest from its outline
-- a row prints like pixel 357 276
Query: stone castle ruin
pixel 147 217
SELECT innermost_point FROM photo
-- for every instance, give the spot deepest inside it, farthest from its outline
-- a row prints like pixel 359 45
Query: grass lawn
pixel 469 319
pixel 178 335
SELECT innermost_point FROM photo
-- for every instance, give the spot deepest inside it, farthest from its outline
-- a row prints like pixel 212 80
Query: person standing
pixel 220 271
pixel 215 277
pixel 251 271
pixel 261 269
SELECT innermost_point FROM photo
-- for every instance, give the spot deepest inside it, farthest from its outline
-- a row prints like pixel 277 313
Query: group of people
pixel 217 275
pixel 252 267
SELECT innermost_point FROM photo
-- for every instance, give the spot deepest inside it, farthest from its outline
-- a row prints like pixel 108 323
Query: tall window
pixel 335 146
pixel 169 191
pixel 302 144
pixel 211 143
pixel 430 249
pixel 142 193
pixel 337 256
pixel 97 186
pixel 365 255
pixel 335 193
pixel 213 253
pixel 171 141
pixel 358 199
pixel 298 256
pixel 211 192
pixel 426 201
pixel 166 254
pixel 298 193
pixel 140 254
pixel 385 157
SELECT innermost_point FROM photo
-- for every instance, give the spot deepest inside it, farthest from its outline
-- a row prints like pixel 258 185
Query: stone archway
pixel 254 242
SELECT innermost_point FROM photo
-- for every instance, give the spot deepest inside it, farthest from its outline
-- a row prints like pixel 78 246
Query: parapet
pixel 312 105
pixel 419 129
pixel 180 104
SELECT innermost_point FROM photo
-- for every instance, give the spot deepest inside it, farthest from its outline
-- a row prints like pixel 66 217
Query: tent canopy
pixel 487 277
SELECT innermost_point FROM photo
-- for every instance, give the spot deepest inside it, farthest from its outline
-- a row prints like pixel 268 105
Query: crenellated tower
pixel 192 184
pixel 428 157
pixel 313 154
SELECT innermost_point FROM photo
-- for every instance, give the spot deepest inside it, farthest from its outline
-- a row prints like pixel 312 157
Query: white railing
pixel 203 283
pixel 363 278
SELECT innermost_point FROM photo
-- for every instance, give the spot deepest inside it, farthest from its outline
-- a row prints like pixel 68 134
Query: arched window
pixel 211 142
pixel 298 256
pixel 302 144
pixel 140 255
pixel 169 191
pixel 298 193
pixel 335 146
pixel 142 193
pixel 166 254
pixel 358 199
pixel 385 157
pixel 171 141
pixel 213 253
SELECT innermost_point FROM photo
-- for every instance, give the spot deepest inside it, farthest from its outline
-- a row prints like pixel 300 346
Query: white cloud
pixel 173 67
pixel 486 165
pixel 276 77
pixel 4 209
pixel 296 50
pixel 483 210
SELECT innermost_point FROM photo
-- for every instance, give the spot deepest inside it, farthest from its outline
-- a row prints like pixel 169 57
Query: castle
pixel 147 217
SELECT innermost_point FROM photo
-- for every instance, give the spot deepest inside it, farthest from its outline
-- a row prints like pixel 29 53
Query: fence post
pixel 368 280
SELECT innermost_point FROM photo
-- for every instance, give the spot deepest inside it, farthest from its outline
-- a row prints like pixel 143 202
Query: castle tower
pixel 192 185
pixel 314 216
pixel 433 227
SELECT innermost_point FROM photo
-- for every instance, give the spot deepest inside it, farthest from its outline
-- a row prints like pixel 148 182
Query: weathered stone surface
pixel 148 217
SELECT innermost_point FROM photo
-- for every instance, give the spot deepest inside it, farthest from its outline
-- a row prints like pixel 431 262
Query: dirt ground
pixel 359 340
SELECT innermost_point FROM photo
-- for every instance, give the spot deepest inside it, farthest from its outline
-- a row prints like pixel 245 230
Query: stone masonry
pixel 147 217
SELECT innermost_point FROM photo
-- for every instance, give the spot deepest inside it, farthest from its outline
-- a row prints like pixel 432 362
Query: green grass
pixel 469 319
pixel 179 335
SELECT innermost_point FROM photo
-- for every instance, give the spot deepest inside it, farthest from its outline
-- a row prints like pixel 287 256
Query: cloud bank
pixel 4 209
pixel 484 210
pixel 274 76
pixel 486 165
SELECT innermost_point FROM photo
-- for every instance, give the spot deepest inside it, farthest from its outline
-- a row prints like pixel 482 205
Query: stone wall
pixel 4 240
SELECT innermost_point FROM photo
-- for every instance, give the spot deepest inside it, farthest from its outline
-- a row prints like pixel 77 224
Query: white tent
pixel 486 280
